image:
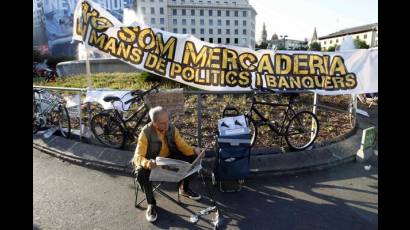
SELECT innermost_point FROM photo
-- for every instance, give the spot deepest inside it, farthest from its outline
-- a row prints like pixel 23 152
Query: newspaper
pixel 232 126
pixel 172 170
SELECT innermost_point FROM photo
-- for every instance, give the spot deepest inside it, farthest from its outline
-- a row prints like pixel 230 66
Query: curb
pixel 260 165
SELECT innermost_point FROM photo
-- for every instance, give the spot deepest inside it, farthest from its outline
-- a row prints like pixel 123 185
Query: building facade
pixel 39 32
pixel 367 33
pixel 230 22
pixel 288 44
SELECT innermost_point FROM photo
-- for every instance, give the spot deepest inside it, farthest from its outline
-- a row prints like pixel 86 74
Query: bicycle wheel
pixel 302 130
pixel 64 121
pixel 254 130
pixel 36 120
pixel 107 130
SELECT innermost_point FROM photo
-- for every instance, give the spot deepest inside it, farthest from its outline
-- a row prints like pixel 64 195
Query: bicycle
pixel 111 129
pixel 300 129
pixel 49 110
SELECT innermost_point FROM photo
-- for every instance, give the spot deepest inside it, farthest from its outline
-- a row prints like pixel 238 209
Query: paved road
pixel 67 196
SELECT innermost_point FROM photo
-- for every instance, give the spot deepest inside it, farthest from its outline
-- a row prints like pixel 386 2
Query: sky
pixel 298 18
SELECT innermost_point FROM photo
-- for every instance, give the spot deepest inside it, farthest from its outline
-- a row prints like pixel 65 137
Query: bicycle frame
pixel 264 121
pixel 118 116
pixel 42 113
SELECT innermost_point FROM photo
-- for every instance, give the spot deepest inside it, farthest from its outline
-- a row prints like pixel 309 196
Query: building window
pixel 219 40
pixel 174 21
pixel 236 23
pixel 243 40
pixel 228 31
pixel 219 31
pixel 219 22
pixel 227 22
pixel 162 21
pixel 219 13
pixel 152 20
pixel 228 40
pixel 161 0
pixel 202 39
pixel 331 41
pixel 236 13
pixel 202 31
pixel 337 40
pixel 162 28
pixel 193 31
pixel 324 42
pixel 236 31
pixel 357 37
pixel 211 40
pixel 174 11
pixel 211 22
pixel 143 9
pixel 161 10
pixel 182 1
pixel 244 13
pixel 152 10
pixel 201 12
pixel 184 30
pixel 202 22
pixel 183 11
pixel 244 31
pixel 152 0
pixel 184 21
pixel 192 12
pixel 193 22
pixel 244 23
pixel 236 40
pixel 365 36
pixel 210 12
pixel 227 13
pixel 175 30
pixel 211 31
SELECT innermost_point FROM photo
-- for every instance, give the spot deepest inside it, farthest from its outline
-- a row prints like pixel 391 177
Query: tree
pixel 333 48
pixel 315 46
pixel 263 45
pixel 360 44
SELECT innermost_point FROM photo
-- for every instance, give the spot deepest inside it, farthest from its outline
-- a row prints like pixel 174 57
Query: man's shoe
pixel 151 213
pixel 190 194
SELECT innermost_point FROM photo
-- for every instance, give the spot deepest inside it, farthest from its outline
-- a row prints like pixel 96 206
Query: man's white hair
pixel 155 112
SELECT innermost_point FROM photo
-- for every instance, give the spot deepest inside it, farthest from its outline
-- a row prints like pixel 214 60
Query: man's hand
pixel 197 150
pixel 151 164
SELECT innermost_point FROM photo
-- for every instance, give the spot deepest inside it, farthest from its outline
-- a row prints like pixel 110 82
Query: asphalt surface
pixel 68 196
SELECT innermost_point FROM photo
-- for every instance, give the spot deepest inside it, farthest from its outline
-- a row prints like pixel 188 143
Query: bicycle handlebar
pixel 262 89
pixel 140 94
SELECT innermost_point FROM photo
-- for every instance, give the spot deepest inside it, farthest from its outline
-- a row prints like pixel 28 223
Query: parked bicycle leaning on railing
pixel 49 111
pixel 299 128
pixel 111 129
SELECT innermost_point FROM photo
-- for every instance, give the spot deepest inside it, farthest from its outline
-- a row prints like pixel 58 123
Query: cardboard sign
pixel 171 100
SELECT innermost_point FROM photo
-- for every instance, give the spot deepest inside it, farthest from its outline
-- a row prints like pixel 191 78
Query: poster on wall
pixel 59 22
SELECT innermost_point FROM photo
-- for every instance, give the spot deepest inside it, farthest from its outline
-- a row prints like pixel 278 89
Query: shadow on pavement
pixel 307 201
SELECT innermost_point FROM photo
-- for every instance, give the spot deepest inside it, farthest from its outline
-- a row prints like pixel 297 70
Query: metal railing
pixel 200 107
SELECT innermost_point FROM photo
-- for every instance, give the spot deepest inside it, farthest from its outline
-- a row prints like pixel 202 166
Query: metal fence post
pixel 80 115
pixel 199 114
pixel 352 110
pixel 314 103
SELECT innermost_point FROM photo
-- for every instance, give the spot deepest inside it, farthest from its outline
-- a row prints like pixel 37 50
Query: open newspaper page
pixel 172 170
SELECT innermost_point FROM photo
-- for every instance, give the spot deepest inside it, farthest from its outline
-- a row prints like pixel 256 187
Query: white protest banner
pixel 72 102
pixel 99 95
pixel 188 60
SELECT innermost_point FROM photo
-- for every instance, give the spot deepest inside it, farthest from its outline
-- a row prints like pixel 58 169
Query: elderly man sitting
pixel 160 138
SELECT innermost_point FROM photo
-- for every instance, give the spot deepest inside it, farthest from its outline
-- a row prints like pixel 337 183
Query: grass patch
pixel 129 81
